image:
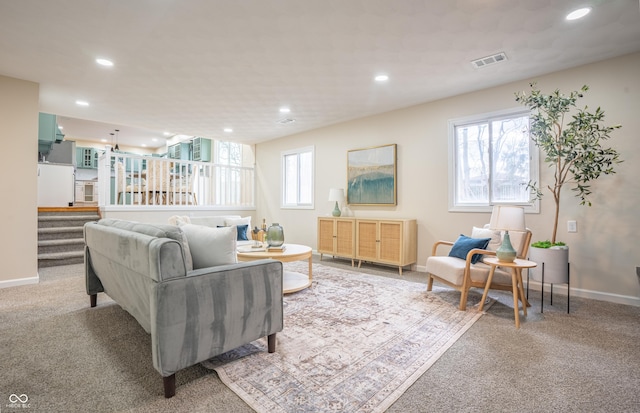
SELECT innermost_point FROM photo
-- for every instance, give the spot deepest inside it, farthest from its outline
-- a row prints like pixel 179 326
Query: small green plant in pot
pixel 571 139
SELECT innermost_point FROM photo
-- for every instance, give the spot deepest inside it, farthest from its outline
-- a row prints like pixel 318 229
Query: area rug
pixel 352 342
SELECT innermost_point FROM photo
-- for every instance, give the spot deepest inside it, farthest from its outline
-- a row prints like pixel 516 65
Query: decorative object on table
pixel 573 149
pixel 340 333
pixel 507 218
pixel 371 176
pixel 336 195
pixel 275 235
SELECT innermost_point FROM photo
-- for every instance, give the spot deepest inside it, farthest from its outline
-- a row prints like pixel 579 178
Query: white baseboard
pixel 19 281
pixel 576 292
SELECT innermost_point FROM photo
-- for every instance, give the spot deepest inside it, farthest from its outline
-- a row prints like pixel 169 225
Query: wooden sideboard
pixel 383 241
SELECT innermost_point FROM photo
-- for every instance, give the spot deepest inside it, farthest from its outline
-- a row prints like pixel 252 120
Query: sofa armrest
pixel 214 310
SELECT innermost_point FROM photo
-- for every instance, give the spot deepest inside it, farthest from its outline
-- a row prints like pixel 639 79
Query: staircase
pixel 60 237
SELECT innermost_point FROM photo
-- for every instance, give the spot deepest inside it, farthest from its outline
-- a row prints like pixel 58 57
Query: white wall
pixel 604 252
pixel 19 158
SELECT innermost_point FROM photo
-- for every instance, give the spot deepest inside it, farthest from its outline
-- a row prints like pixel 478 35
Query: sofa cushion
pixel 211 246
pixel 464 244
pixel 154 230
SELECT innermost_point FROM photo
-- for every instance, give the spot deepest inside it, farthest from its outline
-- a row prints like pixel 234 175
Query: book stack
pixel 281 248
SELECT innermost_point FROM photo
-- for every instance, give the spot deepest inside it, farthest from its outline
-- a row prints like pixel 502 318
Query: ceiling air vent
pixel 285 121
pixel 489 60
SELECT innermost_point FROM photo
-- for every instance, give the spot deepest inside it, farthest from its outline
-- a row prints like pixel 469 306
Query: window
pixel 233 174
pixel 492 161
pixel 297 178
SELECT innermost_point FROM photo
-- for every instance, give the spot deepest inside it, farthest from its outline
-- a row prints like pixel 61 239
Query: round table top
pixel 517 263
pixel 291 251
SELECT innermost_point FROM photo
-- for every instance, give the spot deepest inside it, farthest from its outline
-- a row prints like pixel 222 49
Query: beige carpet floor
pixel 68 357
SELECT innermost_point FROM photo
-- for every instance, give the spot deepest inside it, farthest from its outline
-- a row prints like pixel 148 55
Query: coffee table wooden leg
pixel 310 270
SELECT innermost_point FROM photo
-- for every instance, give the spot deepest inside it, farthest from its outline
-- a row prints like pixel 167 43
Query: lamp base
pixel 505 252
pixel 336 211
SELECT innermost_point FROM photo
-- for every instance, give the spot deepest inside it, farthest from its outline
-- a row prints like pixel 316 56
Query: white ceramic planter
pixel 556 264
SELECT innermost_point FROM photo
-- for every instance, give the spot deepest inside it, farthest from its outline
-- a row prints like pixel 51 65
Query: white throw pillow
pixel 239 221
pixel 496 237
pixel 211 246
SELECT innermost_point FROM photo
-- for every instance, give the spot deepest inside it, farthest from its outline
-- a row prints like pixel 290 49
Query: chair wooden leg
pixel 429 282
pixel 93 300
pixel 463 298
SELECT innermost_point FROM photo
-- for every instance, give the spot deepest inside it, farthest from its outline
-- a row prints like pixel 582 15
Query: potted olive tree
pixel 571 140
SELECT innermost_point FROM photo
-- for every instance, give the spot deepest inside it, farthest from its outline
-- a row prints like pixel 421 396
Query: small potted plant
pixel 571 140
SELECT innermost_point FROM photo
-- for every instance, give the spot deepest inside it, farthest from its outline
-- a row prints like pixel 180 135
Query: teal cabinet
pixel 86 158
pixel 181 151
pixel 48 132
pixel 201 149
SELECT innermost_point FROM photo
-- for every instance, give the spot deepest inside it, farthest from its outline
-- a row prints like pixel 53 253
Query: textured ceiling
pixel 195 67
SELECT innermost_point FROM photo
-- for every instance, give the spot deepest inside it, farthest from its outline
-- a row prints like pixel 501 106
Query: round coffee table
pixel 292 281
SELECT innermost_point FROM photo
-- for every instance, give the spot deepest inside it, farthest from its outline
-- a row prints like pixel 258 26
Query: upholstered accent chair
pixel 136 189
pixel 182 191
pixel 158 181
pixel 466 270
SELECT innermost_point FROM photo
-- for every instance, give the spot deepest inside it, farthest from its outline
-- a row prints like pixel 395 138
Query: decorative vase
pixel 556 264
pixel 275 235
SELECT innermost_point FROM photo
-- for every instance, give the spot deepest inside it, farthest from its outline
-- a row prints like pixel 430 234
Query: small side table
pixel 516 281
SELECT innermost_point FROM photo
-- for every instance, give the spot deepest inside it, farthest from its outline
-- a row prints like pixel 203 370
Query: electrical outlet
pixel 572 226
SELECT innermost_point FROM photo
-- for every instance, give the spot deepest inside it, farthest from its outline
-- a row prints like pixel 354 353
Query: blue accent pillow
pixel 464 244
pixel 242 232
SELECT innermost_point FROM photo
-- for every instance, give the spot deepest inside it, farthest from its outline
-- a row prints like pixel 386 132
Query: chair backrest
pixel 121 177
pixel 158 175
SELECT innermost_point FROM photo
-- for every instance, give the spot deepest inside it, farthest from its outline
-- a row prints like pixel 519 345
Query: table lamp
pixel 507 218
pixel 337 195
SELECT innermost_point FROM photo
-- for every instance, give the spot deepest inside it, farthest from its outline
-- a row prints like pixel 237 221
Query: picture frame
pixel 371 176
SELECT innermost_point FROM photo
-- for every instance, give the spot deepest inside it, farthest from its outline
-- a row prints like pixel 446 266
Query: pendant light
pixel 117 147
pixel 111 141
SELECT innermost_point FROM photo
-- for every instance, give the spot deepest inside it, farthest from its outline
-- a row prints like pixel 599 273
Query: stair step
pixel 66 241
pixel 68 218
pixel 61 255
pixel 50 230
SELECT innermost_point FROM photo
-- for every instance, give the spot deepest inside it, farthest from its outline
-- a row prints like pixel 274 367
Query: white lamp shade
pixel 507 218
pixel 336 194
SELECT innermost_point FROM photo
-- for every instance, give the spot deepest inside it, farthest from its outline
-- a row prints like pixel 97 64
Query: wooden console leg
pixel 271 342
pixel 93 298
pixel 169 386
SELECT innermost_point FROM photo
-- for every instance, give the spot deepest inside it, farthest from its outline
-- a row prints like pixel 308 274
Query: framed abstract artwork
pixel 371 176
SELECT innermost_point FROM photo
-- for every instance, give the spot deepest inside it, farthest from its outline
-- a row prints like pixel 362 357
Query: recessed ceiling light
pixel 285 110
pixel 381 78
pixel 154 139
pixel 576 14
pixel 103 140
pixel 82 103
pixel 144 145
pixel 167 133
pixel 228 130
pixel 104 62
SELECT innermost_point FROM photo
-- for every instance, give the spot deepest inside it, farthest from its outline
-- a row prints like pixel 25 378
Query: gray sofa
pixel 191 314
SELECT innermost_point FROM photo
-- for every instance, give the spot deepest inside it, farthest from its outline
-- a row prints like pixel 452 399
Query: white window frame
pixel 533 206
pixel 297 205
